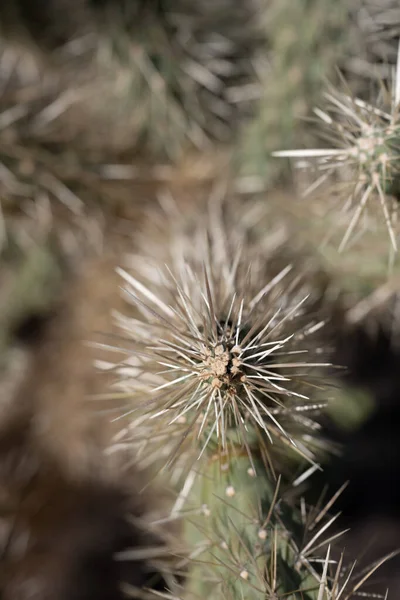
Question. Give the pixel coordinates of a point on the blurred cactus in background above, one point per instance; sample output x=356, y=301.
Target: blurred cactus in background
x=375, y=29
x=175, y=74
x=291, y=78
x=250, y=325
x=358, y=175
x=366, y=155
x=188, y=69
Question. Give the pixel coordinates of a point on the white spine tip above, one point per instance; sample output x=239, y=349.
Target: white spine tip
x=230, y=491
x=262, y=534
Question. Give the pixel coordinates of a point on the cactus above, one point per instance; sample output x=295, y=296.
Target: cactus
x=362, y=41
x=376, y=28
x=292, y=77
x=187, y=69
x=365, y=159
x=37, y=158
x=227, y=349
x=226, y=370
x=178, y=75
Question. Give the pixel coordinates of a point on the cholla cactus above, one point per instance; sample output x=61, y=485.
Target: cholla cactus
x=33, y=159
x=188, y=69
x=225, y=373
x=176, y=74
x=365, y=158
x=228, y=353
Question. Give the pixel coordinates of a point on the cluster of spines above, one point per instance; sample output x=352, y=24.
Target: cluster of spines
x=228, y=430
x=364, y=157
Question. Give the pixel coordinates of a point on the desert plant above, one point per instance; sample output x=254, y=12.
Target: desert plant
x=375, y=28
x=365, y=157
x=176, y=74
x=226, y=358
x=291, y=77
x=226, y=369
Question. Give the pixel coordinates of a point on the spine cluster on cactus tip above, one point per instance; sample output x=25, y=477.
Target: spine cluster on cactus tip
x=225, y=370
x=224, y=362
x=232, y=344
x=365, y=157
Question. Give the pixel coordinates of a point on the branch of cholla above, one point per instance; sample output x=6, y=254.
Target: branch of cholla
x=223, y=350
x=365, y=153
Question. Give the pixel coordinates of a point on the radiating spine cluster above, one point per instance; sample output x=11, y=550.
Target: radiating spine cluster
x=226, y=371
x=365, y=156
